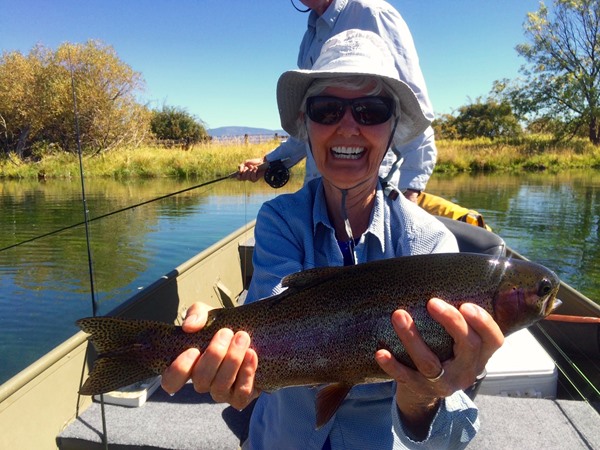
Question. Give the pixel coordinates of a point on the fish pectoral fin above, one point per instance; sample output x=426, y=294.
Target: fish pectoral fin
x=329, y=400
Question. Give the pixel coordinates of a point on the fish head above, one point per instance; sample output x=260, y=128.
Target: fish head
x=525, y=295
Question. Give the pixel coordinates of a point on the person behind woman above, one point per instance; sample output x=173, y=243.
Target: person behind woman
x=349, y=109
x=328, y=18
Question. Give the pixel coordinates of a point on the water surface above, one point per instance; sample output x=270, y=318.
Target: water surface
x=45, y=284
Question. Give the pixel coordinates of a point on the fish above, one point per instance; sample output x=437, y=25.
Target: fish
x=326, y=326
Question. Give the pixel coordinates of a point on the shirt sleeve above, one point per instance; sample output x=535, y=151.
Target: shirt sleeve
x=292, y=149
x=418, y=160
x=454, y=425
x=276, y=253
x=420, y=155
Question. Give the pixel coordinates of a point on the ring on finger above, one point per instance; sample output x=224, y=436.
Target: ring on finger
x=436, y=379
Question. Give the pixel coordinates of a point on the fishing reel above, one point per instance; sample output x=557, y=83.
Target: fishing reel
x=277, y=174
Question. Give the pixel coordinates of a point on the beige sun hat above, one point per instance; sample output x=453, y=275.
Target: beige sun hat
x=352, y=52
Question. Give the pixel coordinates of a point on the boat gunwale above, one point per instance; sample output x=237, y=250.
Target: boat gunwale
x=20, y=380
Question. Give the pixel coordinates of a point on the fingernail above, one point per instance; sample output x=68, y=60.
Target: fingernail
x=241, y=339
x=224, y=336
x=440, y=304
x=471, y=309
x=402, y=319
x=191, y=320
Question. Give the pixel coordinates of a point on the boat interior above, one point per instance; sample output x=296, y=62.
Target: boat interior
x=525, y=402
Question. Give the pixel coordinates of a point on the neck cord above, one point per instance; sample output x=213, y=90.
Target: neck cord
x=389, y=188
x=348, y=227
x=298, y=9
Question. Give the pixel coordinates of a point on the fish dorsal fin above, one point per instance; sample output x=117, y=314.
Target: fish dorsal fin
x=329, y=400
x=310, y=277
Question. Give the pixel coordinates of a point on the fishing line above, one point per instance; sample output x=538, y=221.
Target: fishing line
x=573, y=365
x=87, y=231
x=274, y=176
x=102, y=216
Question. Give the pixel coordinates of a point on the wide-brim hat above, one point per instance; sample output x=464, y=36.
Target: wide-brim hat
x=352, y=52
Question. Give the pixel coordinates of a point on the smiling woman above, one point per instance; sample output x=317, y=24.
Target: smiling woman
x=348, y=109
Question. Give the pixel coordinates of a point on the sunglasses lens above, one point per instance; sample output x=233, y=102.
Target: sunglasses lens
x=372, y=110
x=325, y=110
x=365, y=110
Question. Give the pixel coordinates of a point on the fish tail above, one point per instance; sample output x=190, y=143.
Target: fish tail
x=125, y=354
x=109, y=374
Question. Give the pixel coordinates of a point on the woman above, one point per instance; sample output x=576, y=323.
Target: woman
x=349, y=109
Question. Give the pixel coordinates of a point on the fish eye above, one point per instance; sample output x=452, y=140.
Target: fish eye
x=544, y=288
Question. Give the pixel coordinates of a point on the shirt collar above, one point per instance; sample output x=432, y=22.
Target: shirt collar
x=330, y=15
x=376, y=224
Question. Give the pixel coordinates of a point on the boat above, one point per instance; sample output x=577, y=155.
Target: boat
x=40, y=407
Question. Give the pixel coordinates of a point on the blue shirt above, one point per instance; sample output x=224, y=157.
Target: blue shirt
x=293, y=233
x=419, y=156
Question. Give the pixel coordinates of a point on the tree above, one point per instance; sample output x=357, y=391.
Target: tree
x=176, y=124
x=563, y=75
x=36, y=99
x=488, y=118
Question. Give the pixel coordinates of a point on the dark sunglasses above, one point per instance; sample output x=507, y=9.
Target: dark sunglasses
x=365, y=110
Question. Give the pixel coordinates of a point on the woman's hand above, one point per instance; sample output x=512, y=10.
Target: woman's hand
x=226, y=369
x=476, y=337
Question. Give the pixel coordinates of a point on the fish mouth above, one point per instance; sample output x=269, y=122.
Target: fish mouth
x=348, y=152
x=552, y=305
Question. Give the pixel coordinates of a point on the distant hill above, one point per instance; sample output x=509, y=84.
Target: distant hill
x=241, y=131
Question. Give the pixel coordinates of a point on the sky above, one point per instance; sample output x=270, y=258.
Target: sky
x=220, y=59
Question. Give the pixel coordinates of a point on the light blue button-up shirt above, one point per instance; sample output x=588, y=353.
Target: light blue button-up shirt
x=419, y=156
x=293, y=233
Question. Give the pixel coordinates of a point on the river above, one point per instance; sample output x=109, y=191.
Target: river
x=45, y=282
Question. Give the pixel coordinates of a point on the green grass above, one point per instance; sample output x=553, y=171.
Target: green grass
x=533, y=153
x=214, y=160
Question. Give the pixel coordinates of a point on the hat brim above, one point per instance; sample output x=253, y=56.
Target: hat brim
x=293, y=84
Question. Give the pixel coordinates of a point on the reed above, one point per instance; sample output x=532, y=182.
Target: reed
x=217, y=159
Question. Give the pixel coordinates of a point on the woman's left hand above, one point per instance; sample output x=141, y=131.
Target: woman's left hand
x=476, y=337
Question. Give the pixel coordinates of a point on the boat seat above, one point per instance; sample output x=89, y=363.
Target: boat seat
x=474, y=239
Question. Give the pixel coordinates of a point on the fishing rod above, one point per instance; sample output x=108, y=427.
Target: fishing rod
x=86, y=222
x=276, y=175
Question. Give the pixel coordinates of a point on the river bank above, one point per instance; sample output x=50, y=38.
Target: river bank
x=217, y=159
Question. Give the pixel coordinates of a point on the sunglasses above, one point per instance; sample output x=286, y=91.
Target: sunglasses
x=365, y=110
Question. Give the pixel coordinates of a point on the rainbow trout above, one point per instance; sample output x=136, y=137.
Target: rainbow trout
x=327, y=325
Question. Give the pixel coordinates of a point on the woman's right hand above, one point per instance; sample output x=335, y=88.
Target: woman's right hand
x=226, y=369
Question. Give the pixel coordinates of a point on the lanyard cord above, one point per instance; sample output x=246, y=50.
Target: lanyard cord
x=348, y=228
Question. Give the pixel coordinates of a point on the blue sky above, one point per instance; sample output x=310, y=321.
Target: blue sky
x=220, y=59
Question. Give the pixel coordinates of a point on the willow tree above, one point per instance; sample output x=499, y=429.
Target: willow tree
x=563, y=71
x=37, y=107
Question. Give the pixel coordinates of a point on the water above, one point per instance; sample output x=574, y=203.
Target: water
x=551, y=219
x=45, y=284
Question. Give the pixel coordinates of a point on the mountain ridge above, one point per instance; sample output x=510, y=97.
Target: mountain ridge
x=241, y=131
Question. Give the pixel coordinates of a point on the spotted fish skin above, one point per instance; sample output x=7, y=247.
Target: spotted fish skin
x=327, y=325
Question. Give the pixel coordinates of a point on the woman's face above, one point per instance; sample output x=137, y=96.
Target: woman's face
x=347, y=153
